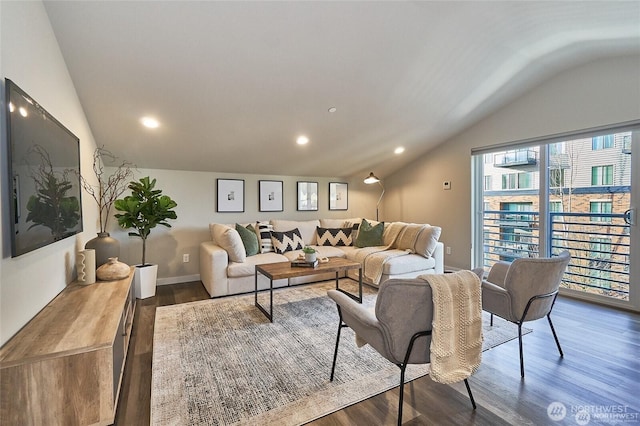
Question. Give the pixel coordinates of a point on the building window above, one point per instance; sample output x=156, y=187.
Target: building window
x=517, y=181
x=488, y=158
x=601, y=175
x=487, y=183
x=555, y=206
x=556, y=178
x=557, y=148
x=600, y=207
x=601, y=142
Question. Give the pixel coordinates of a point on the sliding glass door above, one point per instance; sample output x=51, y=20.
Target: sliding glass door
x=577, y=193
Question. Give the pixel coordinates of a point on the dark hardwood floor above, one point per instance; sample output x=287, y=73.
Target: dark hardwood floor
x=600, y=372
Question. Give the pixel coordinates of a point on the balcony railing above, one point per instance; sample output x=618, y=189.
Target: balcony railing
x=599, y=246
x=521, y=157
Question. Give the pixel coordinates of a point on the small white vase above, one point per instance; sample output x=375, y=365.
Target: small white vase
x=86, y=264
x=310, y=257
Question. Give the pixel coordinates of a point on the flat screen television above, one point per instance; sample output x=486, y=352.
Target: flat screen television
x=44, y=172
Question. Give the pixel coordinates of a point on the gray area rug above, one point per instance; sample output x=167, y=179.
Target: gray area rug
x=220, y=361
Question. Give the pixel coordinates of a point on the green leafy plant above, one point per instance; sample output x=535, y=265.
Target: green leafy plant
x=308, y=249
x=51, y=206
x=144, y=209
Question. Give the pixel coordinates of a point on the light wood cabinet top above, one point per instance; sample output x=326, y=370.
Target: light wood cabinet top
x=79, y=319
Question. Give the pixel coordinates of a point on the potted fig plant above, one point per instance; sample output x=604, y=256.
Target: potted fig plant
x=142, y=211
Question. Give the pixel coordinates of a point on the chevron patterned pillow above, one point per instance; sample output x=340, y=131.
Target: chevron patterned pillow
x=286, y=241
x=334, y=236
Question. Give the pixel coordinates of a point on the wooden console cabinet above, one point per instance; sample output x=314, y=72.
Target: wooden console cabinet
x=65, y=366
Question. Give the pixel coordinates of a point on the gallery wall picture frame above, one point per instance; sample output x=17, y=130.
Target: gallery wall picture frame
x=230, y=195
x=307, y=196
x=270, y=194
x=338, y=196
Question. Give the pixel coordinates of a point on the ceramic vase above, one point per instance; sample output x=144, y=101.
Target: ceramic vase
x=310, y=257
x=86, y=265
x=113, y=270
x=105, y=247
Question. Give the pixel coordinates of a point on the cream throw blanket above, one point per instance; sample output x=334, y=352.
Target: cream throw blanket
x=373, y=258
x=456, y=339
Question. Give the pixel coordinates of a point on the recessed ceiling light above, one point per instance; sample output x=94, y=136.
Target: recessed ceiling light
x=11, y=107
x=150, y=122
x=302, y=140
x=23, y=111
x=333, y=109
x=399, y=150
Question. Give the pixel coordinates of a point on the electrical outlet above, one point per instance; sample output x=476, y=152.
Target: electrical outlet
x=448, y=250
x=185, y=258
x=446, y=185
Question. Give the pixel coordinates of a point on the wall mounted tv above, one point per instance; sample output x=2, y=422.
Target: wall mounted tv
x=44, y=167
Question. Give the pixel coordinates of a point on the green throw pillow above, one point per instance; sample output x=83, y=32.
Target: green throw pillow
x=249, y=239
x=370, y=236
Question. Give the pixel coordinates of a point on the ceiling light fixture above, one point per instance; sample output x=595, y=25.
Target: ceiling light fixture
x=302, y=140
x=399, y=150
x=374, y=179
x=150, y=122
x=333, y=109
x=23, y=111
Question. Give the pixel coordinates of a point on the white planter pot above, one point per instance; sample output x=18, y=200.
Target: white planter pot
x=144, y=280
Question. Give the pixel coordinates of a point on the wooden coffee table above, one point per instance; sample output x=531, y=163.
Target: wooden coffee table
x=281, y=270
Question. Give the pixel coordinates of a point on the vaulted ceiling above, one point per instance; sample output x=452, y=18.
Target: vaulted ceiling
x=233, y=84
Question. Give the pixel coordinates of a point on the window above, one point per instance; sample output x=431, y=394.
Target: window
x=601, y=142
x=488, y=158
x=601, y=175
x=517, y=181
x=555, y=206
x=556, y=178
x=600, y=207
x=488, y=181
x=557, y=148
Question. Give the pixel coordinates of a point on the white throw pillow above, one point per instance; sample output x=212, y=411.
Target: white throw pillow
x=427, y=240
x=229, y=239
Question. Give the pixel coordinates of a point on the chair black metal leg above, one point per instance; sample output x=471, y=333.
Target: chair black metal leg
x=491, y=323
x=521, y=355
x=473, y=401
x=335, y=353
x=555, y=336
x=400, y=402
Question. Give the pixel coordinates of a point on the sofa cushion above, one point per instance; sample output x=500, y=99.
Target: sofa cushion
x=249, y=239
x=408, y=236
x=407, y=264
x=427, y=240
x=307, y=228
x=248, y=268
x=286, y=241
x=229, y=239
x=368, y=235
x=334, y=236
x=264, y=231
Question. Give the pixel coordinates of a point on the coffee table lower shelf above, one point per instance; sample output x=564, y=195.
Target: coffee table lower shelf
x=282, y=270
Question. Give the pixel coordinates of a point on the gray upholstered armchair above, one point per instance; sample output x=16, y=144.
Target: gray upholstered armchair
x=399, y=329
x=524, y=290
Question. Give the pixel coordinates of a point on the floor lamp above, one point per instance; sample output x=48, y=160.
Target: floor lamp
x=373, y=179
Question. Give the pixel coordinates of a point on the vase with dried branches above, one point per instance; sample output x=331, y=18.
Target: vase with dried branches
x=107, y=190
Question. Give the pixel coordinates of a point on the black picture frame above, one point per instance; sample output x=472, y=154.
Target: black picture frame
x=230, y=195
x=307, y=196
x=270, y=193
x=338, y=196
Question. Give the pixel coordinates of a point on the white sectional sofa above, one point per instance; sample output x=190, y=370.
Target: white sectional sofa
x=408, y=250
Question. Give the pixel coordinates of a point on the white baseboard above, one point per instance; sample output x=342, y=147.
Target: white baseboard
x=178, y=280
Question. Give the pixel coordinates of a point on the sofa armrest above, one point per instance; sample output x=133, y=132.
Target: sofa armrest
x=438, y=255
x=214, y=261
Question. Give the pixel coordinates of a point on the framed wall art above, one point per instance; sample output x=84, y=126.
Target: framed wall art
x=230, y=195
x=307, y=196
x=270, y=193
x=338, y=196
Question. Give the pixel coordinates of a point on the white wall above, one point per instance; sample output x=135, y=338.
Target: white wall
x=29, y=56
x=601, y=92
x=195, y=193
